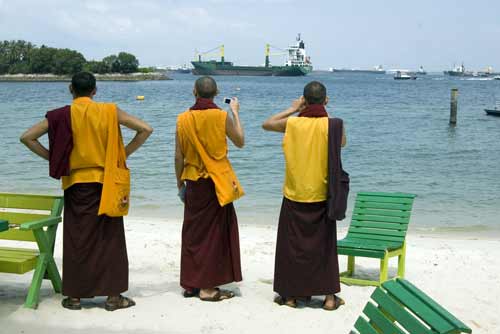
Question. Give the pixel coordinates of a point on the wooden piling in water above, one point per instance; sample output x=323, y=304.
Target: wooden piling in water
x=453, y=106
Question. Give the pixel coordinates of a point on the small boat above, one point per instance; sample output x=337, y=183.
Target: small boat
x=492, y=112
x=401, y=75
x=496, y=77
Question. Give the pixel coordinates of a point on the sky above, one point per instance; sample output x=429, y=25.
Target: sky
x=342, y=34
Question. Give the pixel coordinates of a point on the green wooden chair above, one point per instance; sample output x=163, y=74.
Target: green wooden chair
x=402, y=305
x=32, y=218
x=378, y=230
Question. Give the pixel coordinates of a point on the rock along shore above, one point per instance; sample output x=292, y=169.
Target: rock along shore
x=99, y=77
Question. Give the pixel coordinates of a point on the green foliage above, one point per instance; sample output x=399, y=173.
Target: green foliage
x=24, y=57
x=95, y=66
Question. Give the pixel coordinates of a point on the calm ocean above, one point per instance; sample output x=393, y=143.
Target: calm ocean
x=398, y=140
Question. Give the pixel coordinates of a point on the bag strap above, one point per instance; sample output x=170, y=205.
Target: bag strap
x=338, y=126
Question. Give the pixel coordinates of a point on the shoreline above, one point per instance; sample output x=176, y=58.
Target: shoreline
x=455, y=272
x=154, y=76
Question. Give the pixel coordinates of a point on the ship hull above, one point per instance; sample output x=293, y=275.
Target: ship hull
x=219, y=68
x=458, y=74
x=335, y=70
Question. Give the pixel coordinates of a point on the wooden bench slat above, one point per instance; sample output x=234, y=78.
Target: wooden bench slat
x=374, y=237
x=435, y=306
x=380, y=219
x=383, y=199
x=411, y=301
x=360, y=252
x=16, y=234
x=388, y=226
x=384, y=194
x=364, y=327
x=376, y=231
x=356, y=244
x=388, y=244
x=387, y=206
x=381, y=212
x=17, y=218
x=380, y=320
x=399, y=313
x=26, y=201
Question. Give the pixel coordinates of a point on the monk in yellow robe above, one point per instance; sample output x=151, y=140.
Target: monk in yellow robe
x=210, y=254
x=306, y=262
x=81, y=137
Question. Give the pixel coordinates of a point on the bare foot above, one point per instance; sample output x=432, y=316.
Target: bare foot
x=332, y=302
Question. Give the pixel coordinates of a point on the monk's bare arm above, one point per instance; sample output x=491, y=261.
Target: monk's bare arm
x=179, y=161
x=30, y=139
x=277, y=122
x=143, y=130
x=234, y=130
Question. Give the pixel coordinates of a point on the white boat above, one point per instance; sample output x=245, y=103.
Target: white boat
x=402, y=75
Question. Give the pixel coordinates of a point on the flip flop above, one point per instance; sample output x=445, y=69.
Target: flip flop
x=282, y=301
x=338, y=302
x=70, y=304
x=220, y=295
x=191, y=293
x=123, y=302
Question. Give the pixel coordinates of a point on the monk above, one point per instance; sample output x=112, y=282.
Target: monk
x=306, y=262
x=210, y=254
x=81, y=137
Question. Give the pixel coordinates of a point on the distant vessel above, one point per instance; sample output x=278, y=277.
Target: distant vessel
x=376, y=70
x=459, y=71
x=420, y=71
x=493, y=112
x=401, y=75
x=296, y=64
x=489, y=73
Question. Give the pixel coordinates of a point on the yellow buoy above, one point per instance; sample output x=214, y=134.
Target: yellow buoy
x=139, y=97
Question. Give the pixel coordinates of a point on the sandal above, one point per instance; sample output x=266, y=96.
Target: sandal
x=338, y=302
x=122, y=302
x=283, y=301
x=220, y=295
x=191, y=293
x=71, y=303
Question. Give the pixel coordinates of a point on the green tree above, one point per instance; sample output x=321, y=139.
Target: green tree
x=42, y=60
x=128, y=62
x=95, y=66
x=113, y=63
x=68, y=61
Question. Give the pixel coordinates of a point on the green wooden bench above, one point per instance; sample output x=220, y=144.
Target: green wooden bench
x=378, y=230
x=32, y=218
x=402, y=305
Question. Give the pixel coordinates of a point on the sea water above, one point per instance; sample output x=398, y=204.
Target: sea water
x=398, y=138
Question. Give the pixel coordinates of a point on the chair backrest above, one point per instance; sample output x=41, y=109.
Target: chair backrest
x=381, y=216
x=21, y=208
x=402, y=305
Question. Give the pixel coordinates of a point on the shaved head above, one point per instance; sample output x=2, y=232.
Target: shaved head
x=206, y=87
x=315, y=93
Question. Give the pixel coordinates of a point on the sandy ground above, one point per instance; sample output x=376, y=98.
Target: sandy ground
x=460, y=272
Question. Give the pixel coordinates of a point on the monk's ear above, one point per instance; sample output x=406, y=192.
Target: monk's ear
x=195, y=93
x=70, y=87
x=326, y=100
x=216, y=92
x=93, y=92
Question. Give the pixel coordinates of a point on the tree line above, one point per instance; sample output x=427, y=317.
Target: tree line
x=21, y=57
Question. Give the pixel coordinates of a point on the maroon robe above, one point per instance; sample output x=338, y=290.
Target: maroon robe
x=210, y=253
x=60, y=141
x=95, y=261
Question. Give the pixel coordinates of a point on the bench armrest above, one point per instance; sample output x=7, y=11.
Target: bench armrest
x=40, y=223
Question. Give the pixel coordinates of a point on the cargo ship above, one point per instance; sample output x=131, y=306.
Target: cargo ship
x=296, y=64
x=376, y=70
x=459, y=71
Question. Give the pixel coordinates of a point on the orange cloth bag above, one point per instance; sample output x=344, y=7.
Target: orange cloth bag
x=115, y=196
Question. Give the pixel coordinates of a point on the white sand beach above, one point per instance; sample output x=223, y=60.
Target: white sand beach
x=461, y=272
